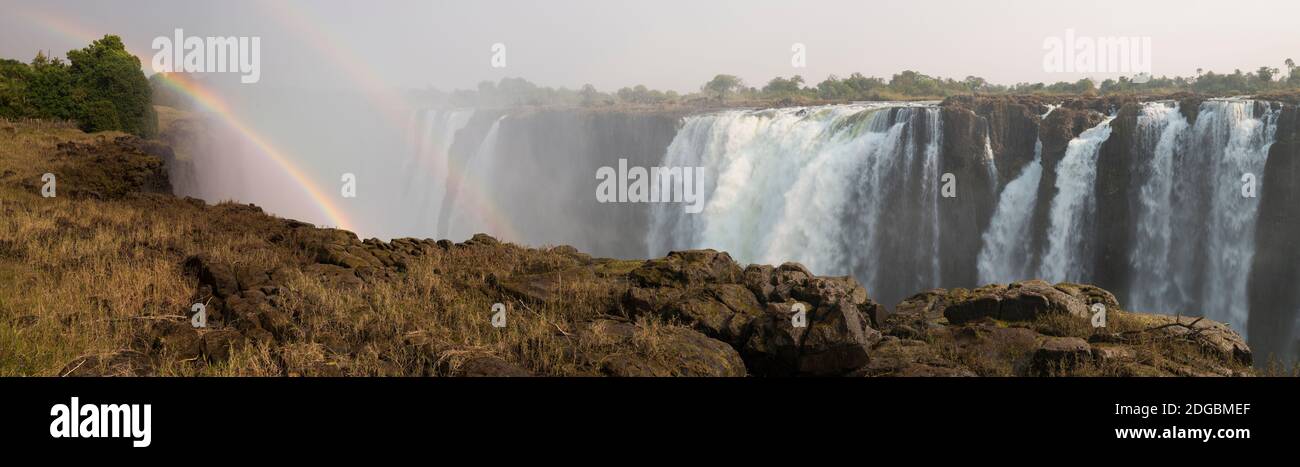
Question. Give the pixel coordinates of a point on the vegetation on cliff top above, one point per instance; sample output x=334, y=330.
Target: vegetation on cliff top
x=101, y=87
x=903, y=86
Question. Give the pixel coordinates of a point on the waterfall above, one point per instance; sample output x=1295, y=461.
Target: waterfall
x=1005, y=255
x=991, y=161
x=845, y=190
x=455, y=220
x=1159, y=133
x=428, y=169
x=1195, y=238
x=1075, y=201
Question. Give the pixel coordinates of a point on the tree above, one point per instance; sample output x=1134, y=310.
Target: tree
x=721, y=85
x=105, y=75
x=49, y=89
x=1266, y=74
x=974, y=83
x=779, y=87
x=588, y=94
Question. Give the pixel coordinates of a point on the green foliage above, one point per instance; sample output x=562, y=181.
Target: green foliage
x=50, y=88
x=905, y=85
x=722, y=85
x=101, y=87
x=105, y=71
x=100, y=115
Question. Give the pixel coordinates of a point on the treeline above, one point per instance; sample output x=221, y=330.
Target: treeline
x=906, y=85
x=101, y=87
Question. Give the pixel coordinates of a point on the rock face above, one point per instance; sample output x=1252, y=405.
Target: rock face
x=1033, y=328
x=782, y=320
x=1020, y=301
x=1275, y=273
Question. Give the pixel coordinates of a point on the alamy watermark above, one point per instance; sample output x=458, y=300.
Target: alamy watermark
x=209, y=55
x=651, y=185
x=1072, y=53
x=77, y=420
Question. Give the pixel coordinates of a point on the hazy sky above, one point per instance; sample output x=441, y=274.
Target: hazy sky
x=665, y=44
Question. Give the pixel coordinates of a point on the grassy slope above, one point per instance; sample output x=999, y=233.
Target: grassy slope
x=81, y=277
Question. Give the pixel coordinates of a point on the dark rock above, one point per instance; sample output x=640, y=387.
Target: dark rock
x=1020, y=301
x=838, y=340
x=481, y=239
x=906, y=357
x=687, y=269
x=722, y=312
x=1057, y=355
x=544, y=287
x=221, y=277
x=774, y=345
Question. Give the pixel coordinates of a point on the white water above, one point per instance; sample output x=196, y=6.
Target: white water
x=1164, y=125
x=816, y=186
x=1006, y=255
x=1232, y=215
x=468, y=212
x=1075, y=201
x=1195, y=240
x=427, y=171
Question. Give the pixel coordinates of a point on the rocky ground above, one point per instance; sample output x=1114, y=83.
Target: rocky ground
x=101, y=280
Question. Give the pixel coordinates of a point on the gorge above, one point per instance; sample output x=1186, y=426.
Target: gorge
x=1143, y=198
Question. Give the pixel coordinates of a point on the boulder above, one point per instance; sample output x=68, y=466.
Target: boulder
x=544, y=287
x=835, y=340
x=722, y=312
x=1020, y=301
x=1056, y=355
x=686, y=269
x=220, y=276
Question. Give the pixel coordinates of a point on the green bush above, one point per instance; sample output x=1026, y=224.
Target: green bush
x=101, y=87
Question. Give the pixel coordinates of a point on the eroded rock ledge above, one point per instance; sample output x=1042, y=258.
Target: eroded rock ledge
x=706, y=316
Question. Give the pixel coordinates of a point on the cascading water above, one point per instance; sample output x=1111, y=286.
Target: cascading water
x=857, y=190
x=1196, y=228
x=1075, y=202
x=814, y=185
x=427, y=172
x=1006, y=254
x=457, y=221
x=1160, y=130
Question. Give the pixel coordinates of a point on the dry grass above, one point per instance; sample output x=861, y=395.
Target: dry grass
x=85, y=277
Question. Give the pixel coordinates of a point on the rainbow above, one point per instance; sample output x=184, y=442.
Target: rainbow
x=77, y=34
x=215, y=106
x=302, y=22
x=299, y=21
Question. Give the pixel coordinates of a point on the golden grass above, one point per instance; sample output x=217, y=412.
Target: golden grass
x=85, y=277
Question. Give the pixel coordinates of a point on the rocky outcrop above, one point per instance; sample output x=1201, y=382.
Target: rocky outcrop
x=106, y=169
x=1033, y=328
x=1114, y=224
x=782, y=320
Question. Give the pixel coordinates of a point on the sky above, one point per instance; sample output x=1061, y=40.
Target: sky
x=664, y=44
